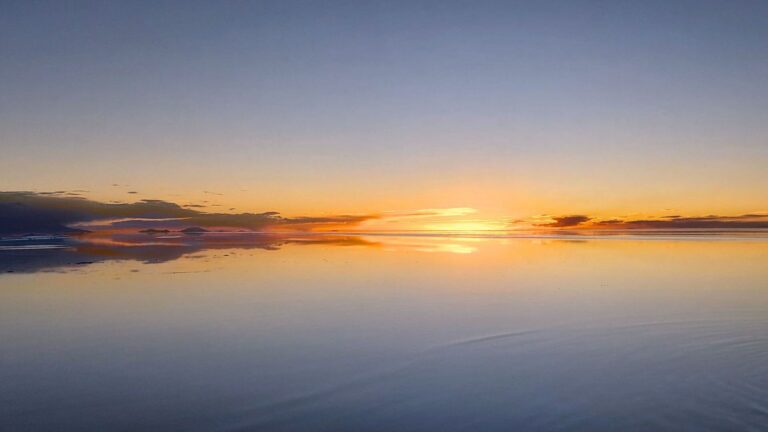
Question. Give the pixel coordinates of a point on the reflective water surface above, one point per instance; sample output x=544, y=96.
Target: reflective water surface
x=384, y=333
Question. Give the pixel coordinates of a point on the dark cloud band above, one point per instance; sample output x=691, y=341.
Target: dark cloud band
x=22, y=212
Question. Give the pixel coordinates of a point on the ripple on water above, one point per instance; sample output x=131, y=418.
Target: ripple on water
x=678, y=375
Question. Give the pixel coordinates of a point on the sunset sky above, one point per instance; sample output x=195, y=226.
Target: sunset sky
x=483, y=112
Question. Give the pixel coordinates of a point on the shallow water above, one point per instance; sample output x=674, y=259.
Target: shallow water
x=384, y=333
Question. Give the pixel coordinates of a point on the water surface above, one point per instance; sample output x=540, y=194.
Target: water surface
x=383, y=333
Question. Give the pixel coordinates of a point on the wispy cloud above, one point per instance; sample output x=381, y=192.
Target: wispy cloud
x=432, y=212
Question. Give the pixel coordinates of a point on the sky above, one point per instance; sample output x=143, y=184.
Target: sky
x=513, y=110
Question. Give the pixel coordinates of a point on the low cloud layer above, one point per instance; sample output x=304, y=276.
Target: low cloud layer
x=22, y=212
x=64, y=211
x=567, y=221
x=745, y=221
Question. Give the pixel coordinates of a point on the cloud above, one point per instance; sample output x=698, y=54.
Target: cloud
x=273, y=219
x=755, y=220
x=434, y=212
x=567, y=221
x=424, y=214
x=746, y=221
x=22, y=212
x=76, y=192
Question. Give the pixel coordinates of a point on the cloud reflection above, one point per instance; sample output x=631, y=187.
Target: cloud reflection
x=73, y=252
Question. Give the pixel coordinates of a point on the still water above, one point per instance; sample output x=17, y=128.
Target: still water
x=386, y=333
